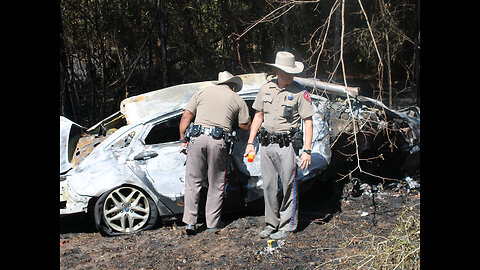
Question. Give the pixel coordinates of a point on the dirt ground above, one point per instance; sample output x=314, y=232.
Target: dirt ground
x=336, y=231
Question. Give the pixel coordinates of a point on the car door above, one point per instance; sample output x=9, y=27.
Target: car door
x=163, y=163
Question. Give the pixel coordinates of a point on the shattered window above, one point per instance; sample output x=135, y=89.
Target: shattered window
x=164, y=132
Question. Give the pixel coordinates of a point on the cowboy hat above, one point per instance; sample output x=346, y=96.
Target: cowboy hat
x=286, y=62
x=227, y=77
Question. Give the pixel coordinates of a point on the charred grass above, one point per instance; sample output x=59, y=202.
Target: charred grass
x=336, y=231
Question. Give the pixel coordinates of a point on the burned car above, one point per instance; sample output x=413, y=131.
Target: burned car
x=128, y=171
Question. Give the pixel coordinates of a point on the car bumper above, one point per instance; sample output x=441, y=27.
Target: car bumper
x=70, y=201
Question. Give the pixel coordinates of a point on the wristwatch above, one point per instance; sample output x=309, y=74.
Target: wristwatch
x=308, y=151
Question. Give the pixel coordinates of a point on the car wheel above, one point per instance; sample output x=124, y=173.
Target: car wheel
x=124, y=210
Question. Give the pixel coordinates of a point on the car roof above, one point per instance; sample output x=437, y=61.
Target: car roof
x=144, y=107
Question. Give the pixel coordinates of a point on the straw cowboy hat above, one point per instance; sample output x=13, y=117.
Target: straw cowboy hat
x=227, y=77
x=286, y=62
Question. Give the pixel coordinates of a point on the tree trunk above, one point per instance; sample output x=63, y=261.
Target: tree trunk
x=286, y=32
x=417, y=54
x=337, y=22
x=91, y=71
x=163, y=41
x=67, y=107
x=389, y=71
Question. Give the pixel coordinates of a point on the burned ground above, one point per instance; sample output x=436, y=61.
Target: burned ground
x=340, y=226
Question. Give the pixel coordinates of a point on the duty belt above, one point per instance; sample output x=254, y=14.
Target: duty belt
x=207, y=131
x=215, y=132
x=295, y=136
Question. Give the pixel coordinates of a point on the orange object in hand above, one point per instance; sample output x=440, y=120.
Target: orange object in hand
x=250, y=157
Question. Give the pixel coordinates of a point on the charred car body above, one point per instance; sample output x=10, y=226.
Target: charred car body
x=128, y=170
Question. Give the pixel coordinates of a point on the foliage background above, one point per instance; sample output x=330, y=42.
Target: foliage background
x=113, y=49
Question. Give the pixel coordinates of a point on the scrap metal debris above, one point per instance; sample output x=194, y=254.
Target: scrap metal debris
x=273, y=246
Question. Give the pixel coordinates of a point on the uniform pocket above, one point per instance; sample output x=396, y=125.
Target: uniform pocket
x=267, y=98
x=287, y=111
x=267, y=103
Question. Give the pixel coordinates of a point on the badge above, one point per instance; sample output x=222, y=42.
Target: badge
x=306, y=95
x=290, y=97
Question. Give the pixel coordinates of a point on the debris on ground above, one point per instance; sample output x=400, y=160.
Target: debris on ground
x=335, y=233
x=272, y=246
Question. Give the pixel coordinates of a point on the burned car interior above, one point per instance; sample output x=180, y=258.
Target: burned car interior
x=164, y=132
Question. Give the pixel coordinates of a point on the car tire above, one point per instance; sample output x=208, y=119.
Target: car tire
x=124, y=210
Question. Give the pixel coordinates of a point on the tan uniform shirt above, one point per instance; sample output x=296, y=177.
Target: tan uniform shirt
x=217, y=106
x=283, y=108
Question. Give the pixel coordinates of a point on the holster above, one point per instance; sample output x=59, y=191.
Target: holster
x=263, y=137
x=296, y=137
x=195, y=131
x=217, y=133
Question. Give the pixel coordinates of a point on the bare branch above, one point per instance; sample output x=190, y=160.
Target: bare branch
x=371, y=33
x=269, y=17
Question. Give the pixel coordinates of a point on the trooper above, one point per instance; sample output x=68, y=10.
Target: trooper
x=280, y=105
x=214, y=109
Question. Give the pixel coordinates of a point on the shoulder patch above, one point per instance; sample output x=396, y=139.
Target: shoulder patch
x=307, y=97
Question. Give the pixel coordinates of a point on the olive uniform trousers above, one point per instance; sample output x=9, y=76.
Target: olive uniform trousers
x=281, y=209
x=206, y=158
